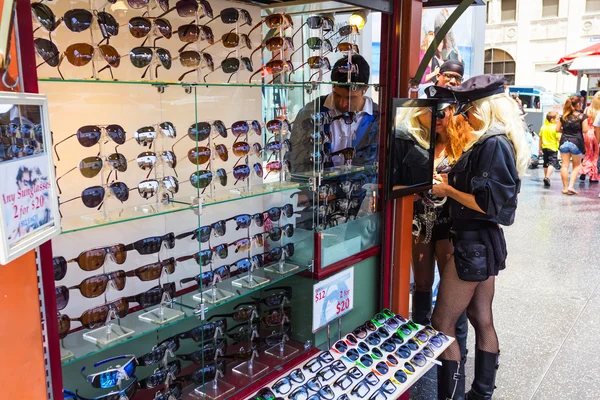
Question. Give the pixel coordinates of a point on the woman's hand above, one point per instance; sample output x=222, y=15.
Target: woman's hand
x=442, y=189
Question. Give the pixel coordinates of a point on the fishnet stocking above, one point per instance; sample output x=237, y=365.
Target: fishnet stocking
x=454, y=297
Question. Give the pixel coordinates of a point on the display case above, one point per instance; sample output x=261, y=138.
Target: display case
x=206, y=181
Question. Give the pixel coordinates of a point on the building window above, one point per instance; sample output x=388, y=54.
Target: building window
x=592, y=5
x=509, y=10
x=500, y=62
x=549, y=8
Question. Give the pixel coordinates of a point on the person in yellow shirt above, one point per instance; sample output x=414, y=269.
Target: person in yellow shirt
x=549, y=143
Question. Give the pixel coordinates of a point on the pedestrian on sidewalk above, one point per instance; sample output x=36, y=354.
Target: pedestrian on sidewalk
x=483, y=189
x=573, y=126
x=589, y=166
x=549, y=140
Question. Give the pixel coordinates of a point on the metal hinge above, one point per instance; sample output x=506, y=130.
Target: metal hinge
x=311, y=265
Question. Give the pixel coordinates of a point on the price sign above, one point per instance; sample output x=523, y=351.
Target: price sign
x=28, y=201
x=332, y=298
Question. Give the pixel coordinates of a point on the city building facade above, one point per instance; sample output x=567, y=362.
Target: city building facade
x=524, y=38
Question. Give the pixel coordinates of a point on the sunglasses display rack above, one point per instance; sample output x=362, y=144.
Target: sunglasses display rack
x=281, y=350
x=215, y=388
x=233, y=82
x=389, y=373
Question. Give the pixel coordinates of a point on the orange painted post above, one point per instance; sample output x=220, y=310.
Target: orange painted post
x=402, y=254
x=22, y=372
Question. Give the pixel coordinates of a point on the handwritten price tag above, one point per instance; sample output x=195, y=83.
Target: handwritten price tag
x=332, y=298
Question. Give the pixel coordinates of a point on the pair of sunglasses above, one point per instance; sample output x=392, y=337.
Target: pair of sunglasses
x=209, y=278
x=112, y=376
x=203, y=178
x=206, y=373
x=160, y=375
x=284, y=385
x=233, y=65
x=158, y=353
x=143, y=56
x=318, y=362
x=146, y=135
x=93, y=197
x=205, y=332
x=89, y=135
x=208, y=352
x=203, y=233
x=90, y=167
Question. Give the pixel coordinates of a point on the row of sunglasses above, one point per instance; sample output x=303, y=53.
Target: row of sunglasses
x=369, y=354
x=90, y=135
x=90, y=167
x=96, y=285
x=80, y=54
x=91, y=260
x=211, y=349
x=94, y=196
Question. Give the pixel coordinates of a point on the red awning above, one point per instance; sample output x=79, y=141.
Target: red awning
x=593, y=50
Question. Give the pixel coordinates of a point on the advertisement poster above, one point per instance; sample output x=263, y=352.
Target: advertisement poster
x=28, y=202
x=25, y=190
x=332, y=298
x=459, y=43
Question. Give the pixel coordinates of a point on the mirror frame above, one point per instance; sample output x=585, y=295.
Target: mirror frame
x=396, y=104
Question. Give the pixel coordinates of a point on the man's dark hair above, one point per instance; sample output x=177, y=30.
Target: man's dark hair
x=22, y=171
x=362, y=76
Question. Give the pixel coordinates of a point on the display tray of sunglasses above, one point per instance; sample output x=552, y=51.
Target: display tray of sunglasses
x=240, y=382
x=335, y=172
x=81, y=348
x=330, y=375
x=227, y=291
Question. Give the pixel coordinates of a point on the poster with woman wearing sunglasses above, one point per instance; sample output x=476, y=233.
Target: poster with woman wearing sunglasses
x=25, y=198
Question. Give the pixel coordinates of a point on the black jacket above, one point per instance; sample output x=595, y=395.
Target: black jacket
x=488, y=171
x=412, y=163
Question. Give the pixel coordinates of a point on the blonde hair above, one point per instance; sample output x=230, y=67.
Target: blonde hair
x=418, y=132
x=594, y=108
x=427, y=39
x=500, y=110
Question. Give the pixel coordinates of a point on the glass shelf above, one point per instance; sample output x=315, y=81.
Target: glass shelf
x=96, y=220
x=81, y=348
x=207, y=84
x=335, y=172
x=188, y=299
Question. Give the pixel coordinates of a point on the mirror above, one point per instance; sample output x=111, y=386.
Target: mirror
x=411, y=143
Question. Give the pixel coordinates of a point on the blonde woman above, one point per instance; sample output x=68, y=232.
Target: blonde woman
x=482, y=188
x=589, y=166
x=429, y=74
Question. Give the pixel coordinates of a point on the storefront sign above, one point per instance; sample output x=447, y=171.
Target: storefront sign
x=332, y=298
x=29, y=206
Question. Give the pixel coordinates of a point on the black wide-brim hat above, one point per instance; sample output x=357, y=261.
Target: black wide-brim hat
x=444, y=96
x=476, y=88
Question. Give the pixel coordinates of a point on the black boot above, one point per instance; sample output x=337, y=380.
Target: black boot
x=451, y=381
x=421, y=307
x=486, y=365
x=461, y=333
